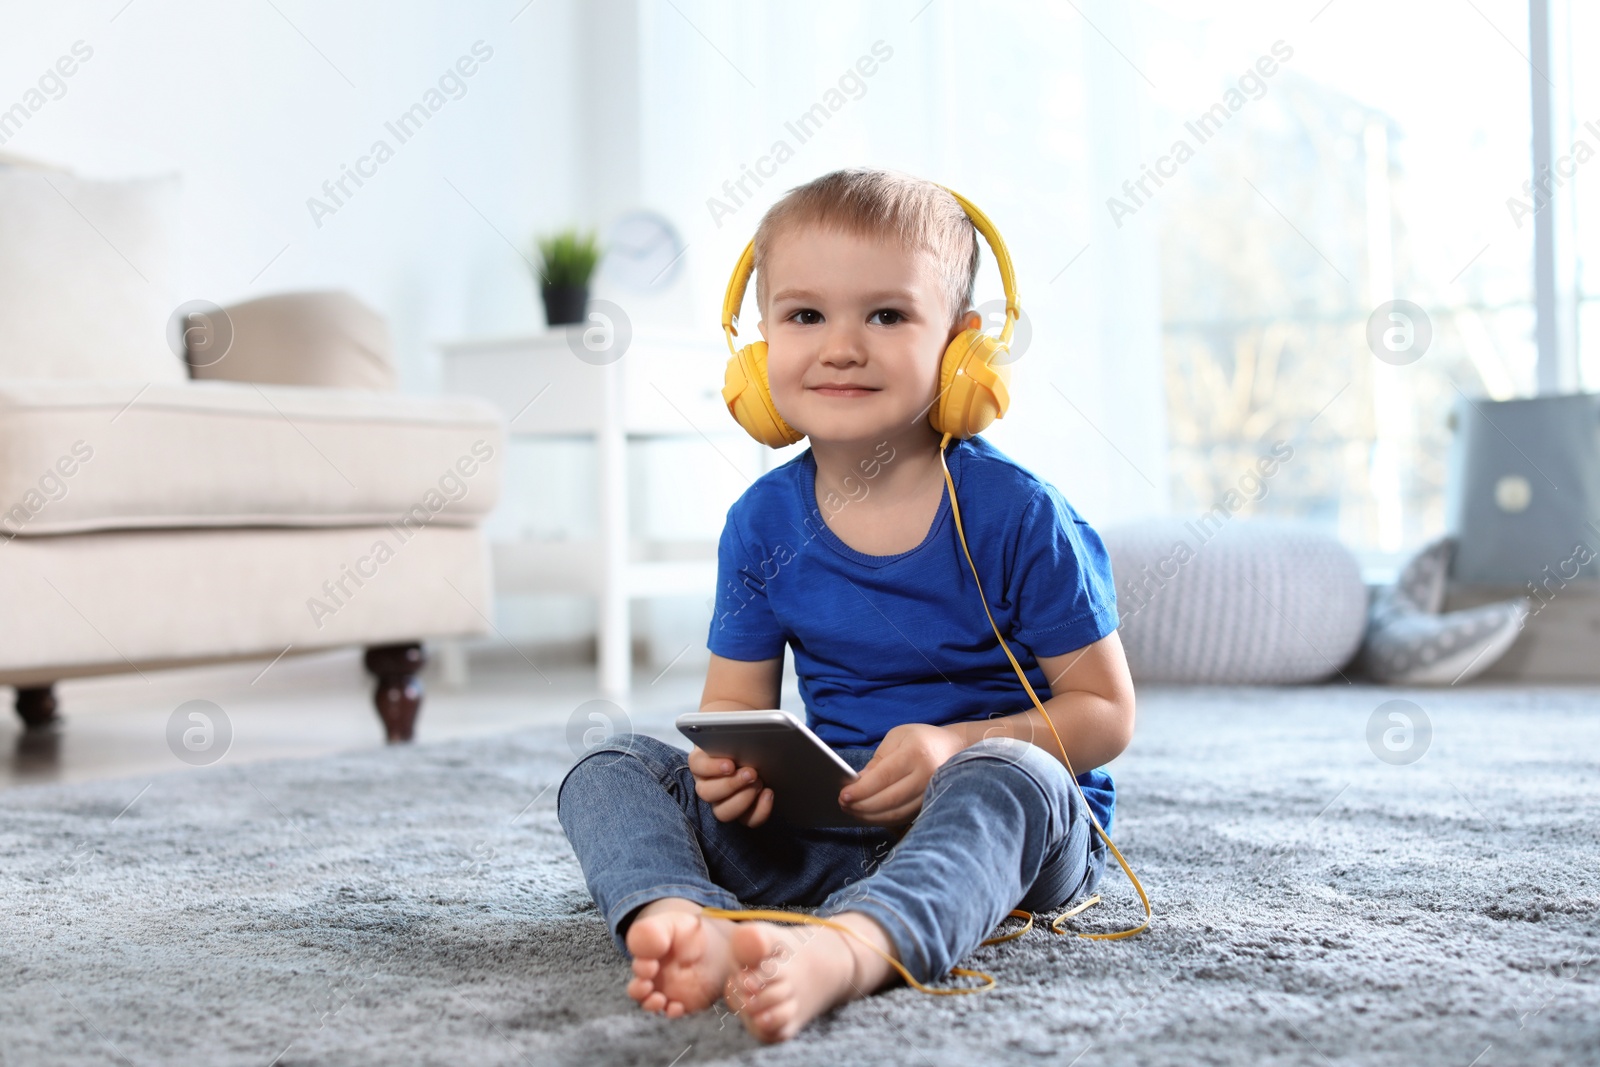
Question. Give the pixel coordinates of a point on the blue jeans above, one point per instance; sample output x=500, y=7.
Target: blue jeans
x=1001, y=827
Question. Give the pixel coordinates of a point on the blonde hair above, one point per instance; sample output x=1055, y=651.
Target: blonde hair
x=920, y=214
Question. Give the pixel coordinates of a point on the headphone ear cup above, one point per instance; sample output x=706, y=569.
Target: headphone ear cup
x=974, y=389
x=749, y=397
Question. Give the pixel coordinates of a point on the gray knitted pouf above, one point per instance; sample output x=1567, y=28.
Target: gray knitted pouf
x=1229, y=601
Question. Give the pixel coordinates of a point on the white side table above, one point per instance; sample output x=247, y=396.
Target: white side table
x=666, y=383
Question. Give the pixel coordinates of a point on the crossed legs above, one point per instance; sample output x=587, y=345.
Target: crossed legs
x=999, y=819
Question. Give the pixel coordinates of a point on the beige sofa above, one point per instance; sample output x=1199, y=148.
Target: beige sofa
x=267, y=494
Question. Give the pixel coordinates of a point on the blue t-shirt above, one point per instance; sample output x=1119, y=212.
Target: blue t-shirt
x=884, y=640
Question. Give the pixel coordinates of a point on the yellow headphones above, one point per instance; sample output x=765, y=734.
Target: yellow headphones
x=973, y=392
x=973, y=388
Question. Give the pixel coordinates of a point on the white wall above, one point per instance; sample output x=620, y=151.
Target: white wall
x=254, y=119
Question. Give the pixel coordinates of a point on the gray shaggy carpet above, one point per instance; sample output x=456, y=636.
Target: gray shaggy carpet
x=1315, y=904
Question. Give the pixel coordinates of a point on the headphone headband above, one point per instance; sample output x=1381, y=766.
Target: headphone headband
x=746, y=266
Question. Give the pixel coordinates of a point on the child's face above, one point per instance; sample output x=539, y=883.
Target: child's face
x=864, y=311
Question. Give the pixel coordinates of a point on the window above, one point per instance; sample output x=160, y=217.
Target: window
x=1373, y=164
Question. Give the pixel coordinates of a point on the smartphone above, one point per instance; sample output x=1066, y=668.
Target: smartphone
x=804, y=773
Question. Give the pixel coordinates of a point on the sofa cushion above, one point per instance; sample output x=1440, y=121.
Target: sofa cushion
x=86, y=272
x=98, y=603
x=1226, y=600
x=78, y=456
x=326, y=338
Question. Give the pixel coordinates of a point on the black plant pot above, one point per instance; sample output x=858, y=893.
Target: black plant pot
x=564, y=304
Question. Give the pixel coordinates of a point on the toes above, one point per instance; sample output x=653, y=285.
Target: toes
x=775, y=1023
x=741, y=993
x=735, y=993
x=779, y=1018
x=771, y=997
x=667, y=949
x=745, y=983
x=751, y=983
x=763, y=1007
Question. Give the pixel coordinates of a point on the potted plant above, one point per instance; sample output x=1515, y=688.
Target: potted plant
x=566, y=261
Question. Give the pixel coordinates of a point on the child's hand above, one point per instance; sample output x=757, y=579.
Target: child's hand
x=889, y=791
x=733, y=792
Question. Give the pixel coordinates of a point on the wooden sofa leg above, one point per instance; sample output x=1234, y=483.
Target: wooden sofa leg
x=36, y=705
x=399, y=692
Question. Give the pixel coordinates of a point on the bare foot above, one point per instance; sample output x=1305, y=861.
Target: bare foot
x=788, y=975
x=681, y=958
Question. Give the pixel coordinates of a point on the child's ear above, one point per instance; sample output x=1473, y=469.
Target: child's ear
x=969, y=320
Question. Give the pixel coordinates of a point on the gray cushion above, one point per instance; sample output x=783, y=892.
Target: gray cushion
x=1408, y=642
x=1226, y=601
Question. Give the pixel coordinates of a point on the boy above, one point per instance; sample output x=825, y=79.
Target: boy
x=849, y=555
